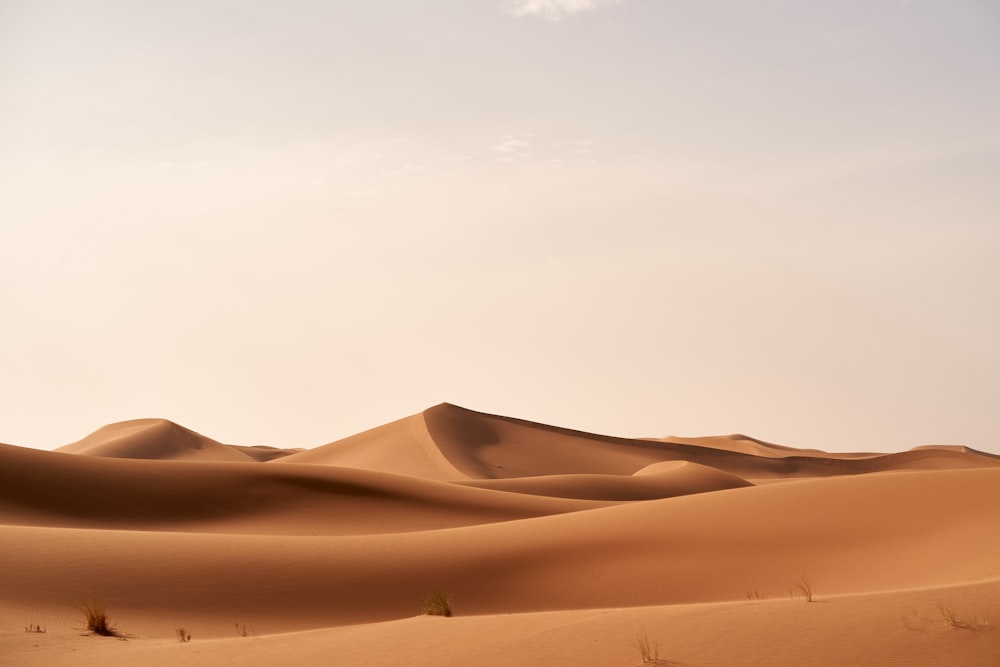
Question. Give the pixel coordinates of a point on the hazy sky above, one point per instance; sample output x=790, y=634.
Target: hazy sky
x=286, y=222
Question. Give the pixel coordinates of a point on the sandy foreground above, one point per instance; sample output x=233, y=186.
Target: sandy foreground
x=554, y=547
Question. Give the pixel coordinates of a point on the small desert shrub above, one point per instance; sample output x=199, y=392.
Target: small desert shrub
x=436, y=604
x=96, y=616
x=183, y=635
x=951, y=617
x=649, y=650
x=34, y=628
x=805, y=588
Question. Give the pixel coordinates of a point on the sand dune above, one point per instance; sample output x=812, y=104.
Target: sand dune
x=487, y=446
x=448, y=442
x=847, y=535
x=403, y=447
x=534, y=532
x=152, y=439
x=54, y=489
x=160, y=439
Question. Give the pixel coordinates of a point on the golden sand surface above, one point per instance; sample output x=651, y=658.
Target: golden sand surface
x=552, y=546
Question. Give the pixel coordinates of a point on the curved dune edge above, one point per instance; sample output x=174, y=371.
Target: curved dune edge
x=485, y=446
x=738, y=442
x=667, y=479
x=54, y=489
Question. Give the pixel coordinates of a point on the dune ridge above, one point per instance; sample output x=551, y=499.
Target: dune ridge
x=486, y=446
x=450, y=443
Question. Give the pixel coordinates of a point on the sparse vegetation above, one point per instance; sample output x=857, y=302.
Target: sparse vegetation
x=649, y=650
x=34, y=628
x=244, y=630
x=754, y=594
x=804, y=588
x=96, y=617
x=183, y=635
x=952, y=619
x=912, y=620
x=436, y=604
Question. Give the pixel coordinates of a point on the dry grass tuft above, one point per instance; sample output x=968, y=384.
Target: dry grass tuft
x=436, y=604
x=649, y=650
x=952, y=619
x=805, y=589
x=96, y=617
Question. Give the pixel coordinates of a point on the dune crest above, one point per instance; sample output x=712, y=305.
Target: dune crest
x=402, y=447
x=486, y=446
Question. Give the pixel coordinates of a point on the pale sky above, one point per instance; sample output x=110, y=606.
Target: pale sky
x=283, y=223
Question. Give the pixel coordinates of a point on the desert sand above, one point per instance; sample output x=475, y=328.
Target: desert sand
x=553, y=547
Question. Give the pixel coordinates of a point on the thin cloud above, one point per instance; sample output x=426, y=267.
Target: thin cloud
x=555, y=10
x=511, y=146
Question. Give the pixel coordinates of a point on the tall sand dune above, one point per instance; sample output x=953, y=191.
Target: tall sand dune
x=403, y=446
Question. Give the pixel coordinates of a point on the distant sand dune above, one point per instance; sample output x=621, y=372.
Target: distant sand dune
x=450, y=443
x=487, y=446
x=152, y=439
